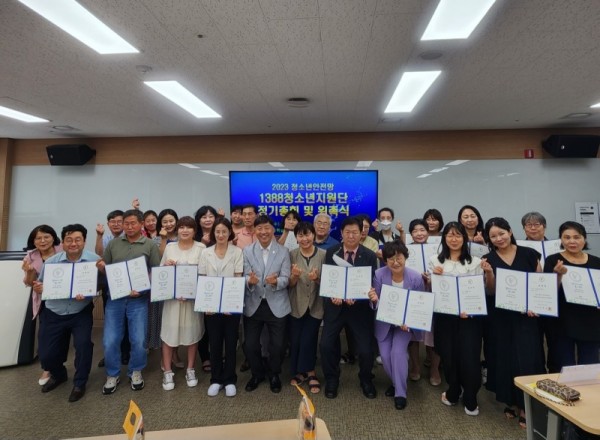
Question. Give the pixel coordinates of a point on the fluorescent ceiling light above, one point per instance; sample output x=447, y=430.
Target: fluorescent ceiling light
x=456, y=162
x=189, y=165
x=181, y=96
x=10, y=113
x=456, y=19
x=74, y=19
x=437, y=170
x=364, y=163
x=213, y=173
x=410, y=90
x=596, y=105
x=276, y=164
x=283, y=169
x=224, y=177
x=422, y=176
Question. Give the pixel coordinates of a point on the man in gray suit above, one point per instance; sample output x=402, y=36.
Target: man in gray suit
x=266, y=302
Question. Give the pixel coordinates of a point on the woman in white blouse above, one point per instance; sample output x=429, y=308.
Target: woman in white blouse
x=222, y=260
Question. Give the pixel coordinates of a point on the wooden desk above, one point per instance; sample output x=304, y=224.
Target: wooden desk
x=272, y=430
x=585, y=413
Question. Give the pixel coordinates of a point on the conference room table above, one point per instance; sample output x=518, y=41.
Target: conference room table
x=271, y=430
x=585, y=413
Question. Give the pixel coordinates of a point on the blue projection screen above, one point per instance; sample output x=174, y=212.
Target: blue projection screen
x=337, y=193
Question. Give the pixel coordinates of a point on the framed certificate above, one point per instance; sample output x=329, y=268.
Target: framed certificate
x=126, y=276
x=220, y=294
x=405, y=307
x=580, y=286
x=456, y=295
x=345, y=282
x=171, y=282
x=523, y=291
x=419, y=255
x=67, y=280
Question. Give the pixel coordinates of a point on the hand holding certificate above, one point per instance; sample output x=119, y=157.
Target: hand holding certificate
x=345, y=282
x=458, y=295
x=126, y=277
x=581, y=286
x=403, y=307
x=68, y=280
x=523, y=292
x=174, y=282
x=220, y=294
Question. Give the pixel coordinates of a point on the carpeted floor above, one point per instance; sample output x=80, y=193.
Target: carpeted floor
x=26, y=413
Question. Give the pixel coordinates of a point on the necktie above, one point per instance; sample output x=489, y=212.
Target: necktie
x=350, y=257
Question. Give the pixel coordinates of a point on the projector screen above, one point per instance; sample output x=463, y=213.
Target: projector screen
x=338, y=193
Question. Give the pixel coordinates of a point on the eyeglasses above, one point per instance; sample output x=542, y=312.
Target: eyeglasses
x=395, y=260
x=115, y=222
x=532, y=225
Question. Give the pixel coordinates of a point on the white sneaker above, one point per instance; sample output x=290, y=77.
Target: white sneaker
x=214, y=389
x=446, y=402
x=475, y=412
x=111, y=385
x=378, y=360
x=190, y=377
x=137, y=381
x=168, y=383
x=230, y=390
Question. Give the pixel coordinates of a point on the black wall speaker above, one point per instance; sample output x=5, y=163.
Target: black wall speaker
x=73, y=154
x=572, y=145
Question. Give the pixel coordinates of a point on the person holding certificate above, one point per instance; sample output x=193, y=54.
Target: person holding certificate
x=435, y=222
x=393, y=340
x=470, y=218
x=578, y=325
x=41, y=245
x=518, y=347
x=458, y=338
x=223, y=259
x=134, y=307
x=63, y=318
x=181, y=325
x=307, y=307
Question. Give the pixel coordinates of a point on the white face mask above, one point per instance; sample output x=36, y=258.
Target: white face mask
x=385, y=225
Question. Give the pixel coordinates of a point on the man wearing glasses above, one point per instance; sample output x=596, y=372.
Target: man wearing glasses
x=323, y=240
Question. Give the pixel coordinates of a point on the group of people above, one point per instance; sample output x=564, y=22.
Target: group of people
x=283, y=310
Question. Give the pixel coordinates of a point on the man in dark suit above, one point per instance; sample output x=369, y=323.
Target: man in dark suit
x=357, y=315
x=266, y=301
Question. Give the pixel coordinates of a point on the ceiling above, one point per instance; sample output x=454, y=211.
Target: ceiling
x=527, y=65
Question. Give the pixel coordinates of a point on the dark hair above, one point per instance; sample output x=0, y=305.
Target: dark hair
x=187, y=221
x=501, y=223
x=349, y=221
x=392, y=248
x=304, y=228
x=149, y=213
x=465, y=256
x=134, y=213
x=69, y=229
x=201, y=212
x=436, y=215
x=416, y=222
x=535, y=216
x=250, y=205
x=294, y=214
x=263, y=219
x=236, y=208
x=115, y=213
x=479, y=227
x=391, y=211
x=162, y=215
x=46, y=230
x=576, y=226
x=225, y=222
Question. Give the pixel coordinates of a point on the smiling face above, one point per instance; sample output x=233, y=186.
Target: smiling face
x=207, y=221
x=500, y=238
x=322, y=226
x=396, y=264
x=290, y=222
x=351, y=236
x=365, y=230
x=150, y=223
x=264, y=234
x=222, y=234
x=73, y=245
x=168, y=223
x=305, y=239
x=236, y=218
x=185, y=233
x=115, y=225
x=433, y=224
x=572, y=241
x=43, y=241
x=133, y=227
x=419, y=234
x=469, y=219
x=535, y=231
x=454, y=240
x=248, y=215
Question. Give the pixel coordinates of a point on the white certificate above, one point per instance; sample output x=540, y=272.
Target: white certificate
x=478, y=250
x=118, y=280
x=542, y=293
x=531, y=244
x=419, y=310
x=551, y=247
x=445, y=290
x=545, y=248
x=186, y=280
x=471, y=295
x=232, y=295
x=57, y=281
x=85, y=279
x=511, y=290
x=579, y=284
x=138, y=274
x=416, y=258
x=208, y=294
x=392, y=305
x=345, y=282
x=163, y=283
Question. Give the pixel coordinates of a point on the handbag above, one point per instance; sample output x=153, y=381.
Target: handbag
x=563, y=392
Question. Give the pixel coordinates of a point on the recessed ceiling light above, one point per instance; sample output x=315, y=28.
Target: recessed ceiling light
x=595, y=105
x=456, y=162
x=74, y=19
x=212, y=173
x=189, y=165
x=14, y=114
x=456, y=19
x=410, y=89
x=181, y=96
x=224, y=177
x=364, y=163
x=276, y=164
x=422, y=176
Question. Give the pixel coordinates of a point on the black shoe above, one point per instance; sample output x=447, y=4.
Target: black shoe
x=331, y=391
x=275, y=383
x=390, y=391
x=400, y=402
x=245, y=366
x=254, y=382
x=101, y=363
x=76, y=393
x=52, y=383
x=368, y=389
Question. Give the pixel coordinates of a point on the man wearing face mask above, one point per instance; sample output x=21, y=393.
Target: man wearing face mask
x=384, y=232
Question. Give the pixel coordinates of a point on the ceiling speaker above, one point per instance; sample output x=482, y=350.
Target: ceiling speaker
x=572, y=145
x=70, y=154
